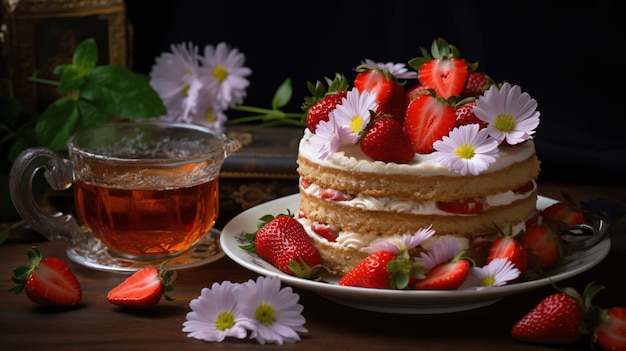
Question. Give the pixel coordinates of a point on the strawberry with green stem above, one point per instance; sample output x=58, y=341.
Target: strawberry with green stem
x=442, y=69
x=144, y=288
x=323, y=100
x=507, y=246
x=47, y=281
x=448, y=275
x=282, y=241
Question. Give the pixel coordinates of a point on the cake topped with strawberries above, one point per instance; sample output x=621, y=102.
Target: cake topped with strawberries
x=400, y=148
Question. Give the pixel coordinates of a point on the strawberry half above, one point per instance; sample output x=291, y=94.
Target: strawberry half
x=283, y=242
x=144, y=288
x=446, y=275
x=428, y=119
x=47, y=281
x=390, y=95
x=384, y=140
x=324, y=100
x=442, y=69
x=543, y=245
x=563, y=212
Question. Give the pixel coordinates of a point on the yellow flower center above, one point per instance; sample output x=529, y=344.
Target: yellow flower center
x=210, y=116
x=504, y=123
x=224, y=320
x=186, y=90
x=265, y=314
x=356, y=123
x=465, y=151
x=487, y=281
x=220, y=73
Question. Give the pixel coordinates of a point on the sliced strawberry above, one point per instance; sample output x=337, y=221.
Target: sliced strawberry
x=335, y=195
x=465, y=115
x=563, y=212
x=466, y=206
x=47, y=281
x=446, y=275
x=543, y=245
x=304, y=183
x=477, y=83
x=390, y=95
x=442, y=69
x=509, y=248
x=144, y=288
x=611, y=332
x=385, y=140
x=427, y=120
x=526, y=188
x=326, y=231
x=324, y=100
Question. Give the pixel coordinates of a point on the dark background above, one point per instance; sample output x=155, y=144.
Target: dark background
x=565, y=55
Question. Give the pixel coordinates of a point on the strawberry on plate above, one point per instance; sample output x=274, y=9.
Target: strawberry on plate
x=563, y=212
x=372, y=272
x=144, y=288
x=442, y=69
x=428, y=119
x=448, y=275
x=543, y=245
x=390, y=95
x=283, y=242
x=324, y=100
x=384, y=140
x=47, y=281
x=507, y=246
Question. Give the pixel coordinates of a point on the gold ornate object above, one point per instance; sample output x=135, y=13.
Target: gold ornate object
x=38, y=35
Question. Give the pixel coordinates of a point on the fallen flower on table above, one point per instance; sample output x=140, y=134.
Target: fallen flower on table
x=271, y=314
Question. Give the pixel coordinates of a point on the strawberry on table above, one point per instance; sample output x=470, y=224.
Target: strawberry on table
x=428, y=119
x=47, y=281
x=144, y=288
x=610, y=334
x=390, y=95
x=442, y=69
x=384, y=140
x=283, y=242
x=324, y=100
x=561, y=318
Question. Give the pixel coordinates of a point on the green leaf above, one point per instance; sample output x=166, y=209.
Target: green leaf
x=85, y=57
x=71, y=80
x=282, y=95
x=57, y=123
x=123, y=93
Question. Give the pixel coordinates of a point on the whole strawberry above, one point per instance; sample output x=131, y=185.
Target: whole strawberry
x=324, y=100
x=561, y=318
x=144, y=288
x=47, y=281
x=283, y=242
x=448, y=275
x=610, y=334
x=390, y=95
x=507, y=246
x=477, y=83
x=372, y=272
x=384, y=140
x=465, y=114
x=543, y=244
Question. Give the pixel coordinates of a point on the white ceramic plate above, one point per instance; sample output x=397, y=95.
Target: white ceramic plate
x=394, y=301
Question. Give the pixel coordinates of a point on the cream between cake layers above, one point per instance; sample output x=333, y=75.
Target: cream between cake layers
x=392, y=199
x=470, y=170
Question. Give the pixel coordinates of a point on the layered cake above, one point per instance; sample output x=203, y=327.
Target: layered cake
x=467, y=178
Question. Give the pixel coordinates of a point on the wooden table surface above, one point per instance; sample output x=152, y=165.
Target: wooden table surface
x=98, y=325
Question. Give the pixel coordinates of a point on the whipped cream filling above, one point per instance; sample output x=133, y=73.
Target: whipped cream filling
x=350, y=157
x=389, y=204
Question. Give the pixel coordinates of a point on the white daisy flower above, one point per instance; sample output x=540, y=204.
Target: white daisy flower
x=467, y=149
x=353, y=113
x=399, y=70
x=327, y=138
x=511, y=115
x=176, y=79
x=224, y=73
x=216, y=315
x=403, y=243
x=275, y=312
x=496, y=273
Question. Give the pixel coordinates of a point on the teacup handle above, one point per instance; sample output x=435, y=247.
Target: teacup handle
x=60, y=175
